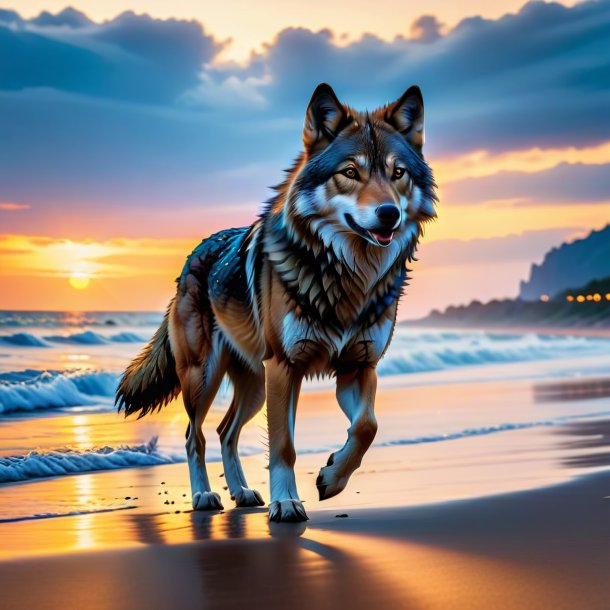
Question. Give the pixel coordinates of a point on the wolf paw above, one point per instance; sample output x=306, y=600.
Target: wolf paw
x=287, y=511
x=207, y=500
x=329, y=483
x=248, y=497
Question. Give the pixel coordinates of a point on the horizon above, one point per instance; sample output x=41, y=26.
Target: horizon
x=125, y=132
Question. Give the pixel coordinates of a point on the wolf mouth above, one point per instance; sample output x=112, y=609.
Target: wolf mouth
x=380, y=237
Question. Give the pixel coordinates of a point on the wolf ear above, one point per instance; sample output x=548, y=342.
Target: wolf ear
x=324, y=118
x=407, y=116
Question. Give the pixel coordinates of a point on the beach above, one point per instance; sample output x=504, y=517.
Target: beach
x=488, y=485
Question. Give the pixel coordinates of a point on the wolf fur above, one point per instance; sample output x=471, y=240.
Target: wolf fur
x=311, y=288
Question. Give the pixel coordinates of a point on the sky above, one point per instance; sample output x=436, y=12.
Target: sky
x=130, y=130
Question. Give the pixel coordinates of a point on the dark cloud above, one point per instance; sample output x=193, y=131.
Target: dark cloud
x=68, y=17
x=134, y=58
x=426, y=29
x=564, y=184
x=135, y=111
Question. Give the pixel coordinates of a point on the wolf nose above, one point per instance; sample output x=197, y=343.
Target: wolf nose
x=388, y=214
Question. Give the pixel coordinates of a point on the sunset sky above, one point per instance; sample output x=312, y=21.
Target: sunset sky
x=126, y=137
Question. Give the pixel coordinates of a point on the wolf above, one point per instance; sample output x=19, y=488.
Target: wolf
x=310, y=288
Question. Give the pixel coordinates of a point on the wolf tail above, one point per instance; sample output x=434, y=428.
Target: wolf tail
x=150, y=381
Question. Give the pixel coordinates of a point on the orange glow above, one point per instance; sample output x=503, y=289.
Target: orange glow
x=544, y=298
x=580, y=298
x=569, y=298
x=116, y=274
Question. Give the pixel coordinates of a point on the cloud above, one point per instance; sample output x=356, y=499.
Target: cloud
x=567, y=183
x=426, y=29
x=133, y=58
x=13, y=207
x=135, y=116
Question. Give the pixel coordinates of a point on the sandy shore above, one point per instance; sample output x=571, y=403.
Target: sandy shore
x=517, y=518
x=545, y=548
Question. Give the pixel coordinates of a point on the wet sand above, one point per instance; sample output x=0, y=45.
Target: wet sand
x=545, y=548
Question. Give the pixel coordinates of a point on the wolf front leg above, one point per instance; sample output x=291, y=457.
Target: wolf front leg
x=356, y=397
x=283, y=385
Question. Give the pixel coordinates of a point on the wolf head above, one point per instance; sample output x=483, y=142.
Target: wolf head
x=362, y=182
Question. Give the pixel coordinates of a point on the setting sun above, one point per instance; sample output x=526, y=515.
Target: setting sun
x=80, y=281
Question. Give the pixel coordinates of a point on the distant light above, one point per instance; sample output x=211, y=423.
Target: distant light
x=544, y=298
x=580, y=298
x=589, y=297
x=608, y=296
x=569, y=298
x=597, y=297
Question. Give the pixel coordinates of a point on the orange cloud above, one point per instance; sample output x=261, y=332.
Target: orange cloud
x=13, y=207
x=480, y=163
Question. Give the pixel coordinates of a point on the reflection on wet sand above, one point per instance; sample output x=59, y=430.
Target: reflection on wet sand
x=583, y=389
x=273, y=565
x=591, y=440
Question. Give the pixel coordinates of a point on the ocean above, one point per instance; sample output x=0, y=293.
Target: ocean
x=59, y=371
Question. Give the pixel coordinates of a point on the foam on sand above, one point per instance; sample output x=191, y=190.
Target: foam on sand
x=66, y=461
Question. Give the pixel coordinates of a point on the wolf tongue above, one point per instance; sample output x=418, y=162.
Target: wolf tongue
x=384, y=239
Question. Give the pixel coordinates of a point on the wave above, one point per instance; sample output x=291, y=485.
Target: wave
x=22, y=340
x=32, y=390
x=126, y=337
x=87, y=337
x=63, y=319
x=486, y=430
x=417, y=352
x=66, y=461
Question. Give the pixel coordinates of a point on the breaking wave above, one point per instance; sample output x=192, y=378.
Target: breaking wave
x=418, y=352
x=35, y=465
x=23, y=340
x=32, y=390
x=87, y=337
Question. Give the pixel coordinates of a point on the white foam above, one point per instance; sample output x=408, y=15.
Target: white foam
x=60, y=462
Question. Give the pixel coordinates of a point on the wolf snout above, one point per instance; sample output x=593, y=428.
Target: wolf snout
x=388, y=214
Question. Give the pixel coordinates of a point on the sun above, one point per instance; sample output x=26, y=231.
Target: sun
x=79, y=280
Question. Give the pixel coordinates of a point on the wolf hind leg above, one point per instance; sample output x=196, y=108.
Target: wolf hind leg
x=248, y=400
x=200, y=383
x=356, y=397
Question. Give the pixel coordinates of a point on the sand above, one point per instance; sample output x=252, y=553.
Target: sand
x=545, y=548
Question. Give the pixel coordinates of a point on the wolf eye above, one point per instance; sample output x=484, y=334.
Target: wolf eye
x=398, y=173
x=350, y=172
